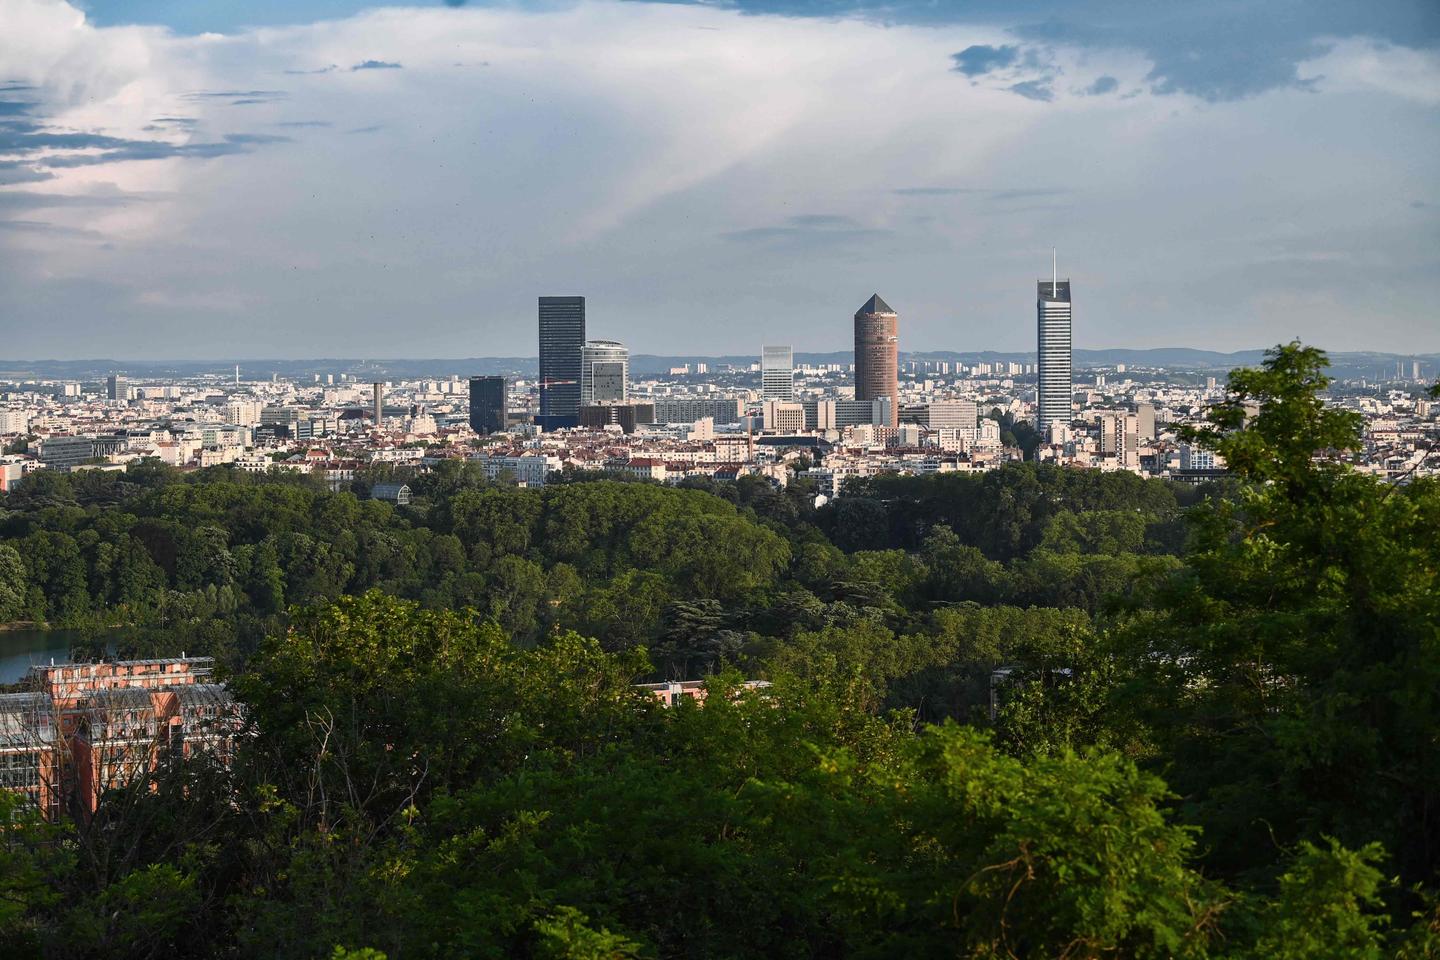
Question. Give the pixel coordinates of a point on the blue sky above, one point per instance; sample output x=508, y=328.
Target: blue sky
x=182, y=179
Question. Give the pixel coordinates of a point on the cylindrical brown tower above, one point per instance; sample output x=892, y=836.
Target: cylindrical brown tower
x=877, y=366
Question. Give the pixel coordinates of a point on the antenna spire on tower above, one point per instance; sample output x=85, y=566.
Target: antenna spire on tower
x=1054, y=274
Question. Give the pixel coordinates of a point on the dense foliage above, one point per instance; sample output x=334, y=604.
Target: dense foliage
x=1032, y=713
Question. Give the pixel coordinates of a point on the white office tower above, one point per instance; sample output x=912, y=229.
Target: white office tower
x=1053, y=315
x=604, y=372
x=1120, y=438
x=1197, y=458
x=777, y=373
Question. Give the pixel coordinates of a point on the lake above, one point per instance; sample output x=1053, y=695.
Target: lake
x=21, y=649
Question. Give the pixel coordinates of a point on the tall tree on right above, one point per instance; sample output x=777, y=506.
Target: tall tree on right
x=1292, y=678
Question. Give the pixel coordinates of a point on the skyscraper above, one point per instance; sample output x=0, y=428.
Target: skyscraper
x=604, y=372
x=777, y=373
x=877, y=341
x=116, y=388
x=379, y=403
x=1053, y=324
x=562, y=338
x=487, y=404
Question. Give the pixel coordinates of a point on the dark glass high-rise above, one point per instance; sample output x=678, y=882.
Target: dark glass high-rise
x=562, y=338
x=487, y=404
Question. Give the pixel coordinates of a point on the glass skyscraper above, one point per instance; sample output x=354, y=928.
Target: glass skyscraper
x=1056, y=387
x=487, y=404
x=604, y=372
x=777, y=373
x=562, y=338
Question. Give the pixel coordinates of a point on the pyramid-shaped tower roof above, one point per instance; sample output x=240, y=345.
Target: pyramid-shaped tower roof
x=874, y=305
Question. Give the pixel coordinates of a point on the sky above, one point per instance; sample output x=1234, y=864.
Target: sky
x=309, y=178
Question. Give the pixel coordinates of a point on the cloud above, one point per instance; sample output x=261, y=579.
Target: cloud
x=812, y=230
x=375, y=65
x=1033, y=90
x=707, y=177
x=15, y=171
x=32, y=200
x=1102, y=85
x=39, y=146
x=201, y=95
x=304, y=123
x=45, y=227
x=990, y=193
x=979, y=60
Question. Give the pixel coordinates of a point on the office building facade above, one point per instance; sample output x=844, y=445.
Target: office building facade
x=689, y=410
x=877, y=342
x=562, y=340
x=777, y=373
x=604, y=372
x=1056, y=386
x=487, y=404
x=626, y=416
x=116, y=388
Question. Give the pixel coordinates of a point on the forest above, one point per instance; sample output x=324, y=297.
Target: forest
x=1034, y=712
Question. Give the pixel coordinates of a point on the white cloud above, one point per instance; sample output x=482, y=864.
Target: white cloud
x=1360, y=64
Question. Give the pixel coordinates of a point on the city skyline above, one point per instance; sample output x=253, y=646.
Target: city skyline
x=177, y=183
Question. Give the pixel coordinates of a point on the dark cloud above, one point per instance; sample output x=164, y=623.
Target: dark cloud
x=988, y=193
x=18, y=171
x=15, y=108
x=373, y=128
x=42, y=226
x=249, y=138
x=1033, y=90
x=811, y=229
x=303, y=73
x=375, y=65
x=1102, y=85
x=29, y=200
x=1216, y=51
x=979, y=60
x=25, y=148
x=227, y=94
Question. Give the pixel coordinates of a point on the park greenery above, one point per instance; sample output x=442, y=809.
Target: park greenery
x=1029, y=713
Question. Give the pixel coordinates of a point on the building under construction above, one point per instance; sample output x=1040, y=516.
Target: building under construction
x=77, y=730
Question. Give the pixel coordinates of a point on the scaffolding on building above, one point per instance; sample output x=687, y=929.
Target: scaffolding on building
x=28, y=745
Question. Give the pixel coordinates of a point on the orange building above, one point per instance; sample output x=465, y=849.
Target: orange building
x=81, y=729
x=674, y=691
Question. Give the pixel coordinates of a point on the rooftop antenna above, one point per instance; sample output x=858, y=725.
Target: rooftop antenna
x=1054, y=274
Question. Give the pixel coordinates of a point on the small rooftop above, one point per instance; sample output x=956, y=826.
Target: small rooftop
x=875, y=305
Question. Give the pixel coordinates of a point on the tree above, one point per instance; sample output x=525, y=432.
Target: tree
x=12, y=584
x=1293, y=681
